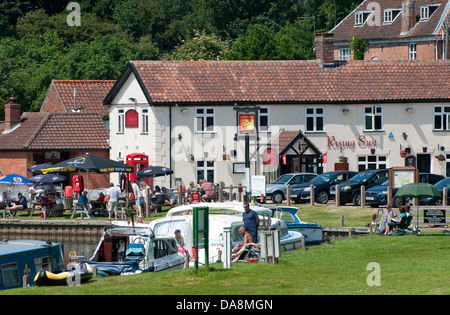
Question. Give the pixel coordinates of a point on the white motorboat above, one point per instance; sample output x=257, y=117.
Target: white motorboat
x=127, y=249
x=226, y=214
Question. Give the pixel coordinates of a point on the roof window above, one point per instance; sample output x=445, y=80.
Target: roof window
x=361, y=17
x=427, y=11
x=390, y=15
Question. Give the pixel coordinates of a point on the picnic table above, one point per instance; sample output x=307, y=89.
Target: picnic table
x=3, y=205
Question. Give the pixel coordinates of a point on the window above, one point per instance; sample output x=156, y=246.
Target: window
x=145, y=121
x=314, y=119
x=361, y=18
x=442, y=118
x=412, y=54
x=344, y=54
x=43, y=263
x=121, y=121
x=263, y=119
x=206, y=170
x=372, y=162
x=204, y=120
x=373, y=118
x=10, y=274
x=390, y=15
x=427, y=11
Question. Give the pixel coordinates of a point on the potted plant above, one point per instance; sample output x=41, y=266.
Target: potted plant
x=225, y=156
x=403, y=153
x=440, y=157
x=342, y=165
x=343, y=159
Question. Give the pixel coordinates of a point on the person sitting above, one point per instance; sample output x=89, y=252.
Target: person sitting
x=396, y=221
x=83, y=199
x=101, y=197
x=6, y=200
x=239, y=248
x=22, y=205
x=209, y=191
x=157, y=200
x=169, y=197
x=59, y=206
x=180, y=243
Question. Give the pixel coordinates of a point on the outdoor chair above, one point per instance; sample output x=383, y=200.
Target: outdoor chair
x=250, y=253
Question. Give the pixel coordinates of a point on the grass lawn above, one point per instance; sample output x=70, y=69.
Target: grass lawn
x=402, y=264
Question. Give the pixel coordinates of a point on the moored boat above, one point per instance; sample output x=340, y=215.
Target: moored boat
x=80, y=274
x=125, y=250
x=21, y=260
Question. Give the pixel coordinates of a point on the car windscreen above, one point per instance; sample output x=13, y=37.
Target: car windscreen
x=283, y=179
x=362, y=177
x=322, y=178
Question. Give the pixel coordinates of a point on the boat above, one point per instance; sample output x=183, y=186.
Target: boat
x=125, y=250
x=82, y=273
x=21, y=260
x=312, y=232
x=221, y=214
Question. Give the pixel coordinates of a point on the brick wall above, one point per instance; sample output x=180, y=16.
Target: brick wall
x=95, y=180
x=52, y=103
x=15, y=163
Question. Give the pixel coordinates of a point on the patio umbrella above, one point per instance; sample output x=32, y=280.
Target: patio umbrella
x=36, y=169
x=89, y=163
x=14, y=179
x=47, y=179
x=420, y=191
x=154, y=171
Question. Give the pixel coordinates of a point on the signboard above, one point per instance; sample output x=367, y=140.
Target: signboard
x=434, y=216
x=400, y=176
x=195, y=197
x=247, y=123
x=258, y=185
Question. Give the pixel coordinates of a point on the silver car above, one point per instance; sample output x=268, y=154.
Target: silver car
x=276, y=191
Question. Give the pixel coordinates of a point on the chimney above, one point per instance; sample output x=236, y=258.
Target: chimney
x=408, y=16
x=324, y=43
x=12, y=113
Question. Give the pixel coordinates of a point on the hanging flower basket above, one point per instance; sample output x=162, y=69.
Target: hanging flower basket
x=440, y=157
x=403, y=154
x=225, y=157
x=343, y=159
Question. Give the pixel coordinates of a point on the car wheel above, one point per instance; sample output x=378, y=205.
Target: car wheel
x=322, y=197
x=397, y=202
x=277, y=197
x=357, y=199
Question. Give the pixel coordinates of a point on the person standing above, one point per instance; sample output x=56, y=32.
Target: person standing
x=137, y=199
x=251, y=221
x=112, y=197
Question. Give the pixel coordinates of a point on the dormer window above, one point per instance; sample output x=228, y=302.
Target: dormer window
x=427, y=11
x=390, y=15
x=361, y=17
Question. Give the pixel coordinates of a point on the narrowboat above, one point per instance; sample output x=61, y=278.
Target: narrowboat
x=22, y=260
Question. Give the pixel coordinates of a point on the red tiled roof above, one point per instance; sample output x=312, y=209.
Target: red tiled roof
x=89, y=94
x=56, y=131
x=293, y=81
x=346, y=28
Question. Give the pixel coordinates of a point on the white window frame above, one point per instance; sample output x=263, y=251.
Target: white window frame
x=424, y=13
x=359, y=18
x=390, y=15
x=204, y=116
x=344, y=54
x=144, y=116
x=412, y=51
x=381, y=162
x=264, y=114
x=444, y=117
x=206, y=168
x=120, y=120
x=315, y=116
x=375, y=111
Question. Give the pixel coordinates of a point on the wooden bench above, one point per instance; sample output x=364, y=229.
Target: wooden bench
x=84, y=209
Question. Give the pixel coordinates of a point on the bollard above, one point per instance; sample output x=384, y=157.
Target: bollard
x=338, y=195
x=227, y=247
x=311, y=195
x=363, y=196
x=25, y=281
x=288, y=194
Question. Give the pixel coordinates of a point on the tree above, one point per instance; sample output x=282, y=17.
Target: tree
x=359, y=47
x=259, y=44
x=200, y=47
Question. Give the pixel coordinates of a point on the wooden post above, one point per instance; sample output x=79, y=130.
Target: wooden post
x=147, y=202
x=342, y=220
x=231, y=192
x=338, y=195
x=363, y=196
x=311, y=195
x=240, y=193
x=221, y=185
x=444, y=196
x=25, y=281
x=288, y=194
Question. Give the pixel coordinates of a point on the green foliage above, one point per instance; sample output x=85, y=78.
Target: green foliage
x=359, y=47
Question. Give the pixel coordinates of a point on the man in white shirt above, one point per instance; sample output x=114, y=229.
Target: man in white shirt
x=112, y=197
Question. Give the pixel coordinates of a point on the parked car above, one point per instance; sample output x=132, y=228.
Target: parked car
x=276, y=191
x=377, y=195
x=351, y=191
x=445, y=182
x=321, y=184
